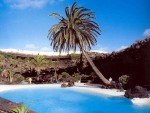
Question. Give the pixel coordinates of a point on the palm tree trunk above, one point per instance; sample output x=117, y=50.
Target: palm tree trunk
x=81, y=60
x=100, y=75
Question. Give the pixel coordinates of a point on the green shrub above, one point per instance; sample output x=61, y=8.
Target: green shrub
x=39, y=62
x=124, y=79
x=10, y=57
x=29, y=80
x=11, y=74
x=19, y=77
x=76, y=76
x=65, y=74
x=74, y=54
x=49, y=62
x=1, y=69
x=1, y=57
x=21, y=109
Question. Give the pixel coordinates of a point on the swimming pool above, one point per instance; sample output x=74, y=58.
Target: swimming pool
x=59, y=100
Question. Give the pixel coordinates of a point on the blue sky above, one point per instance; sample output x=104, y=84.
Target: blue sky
x=24, y=24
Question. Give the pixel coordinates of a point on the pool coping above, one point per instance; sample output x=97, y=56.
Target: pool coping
x=81, y=87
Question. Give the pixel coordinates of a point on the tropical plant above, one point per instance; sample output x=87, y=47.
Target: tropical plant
x=19, y=77
x=10, y=56
x=39, y=61
x=124, y=79
x=2, y=56
x=76, y=77
x=74, y=54
x=21, y=109
x=11, y=74
x=76, y=30
x=30, y=80
x=65, y=74
x=55, y=65
x=1, y=69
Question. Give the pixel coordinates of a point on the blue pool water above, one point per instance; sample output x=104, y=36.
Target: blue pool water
x=50, y=100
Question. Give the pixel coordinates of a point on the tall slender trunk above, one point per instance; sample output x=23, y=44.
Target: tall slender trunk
x=100, y=75
x=81, y=60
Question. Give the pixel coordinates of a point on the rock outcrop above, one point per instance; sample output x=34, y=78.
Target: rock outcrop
x=63, y=85
x=6, y=106
x=136, y=92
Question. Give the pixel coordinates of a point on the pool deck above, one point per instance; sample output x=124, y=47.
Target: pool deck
x=81, y=87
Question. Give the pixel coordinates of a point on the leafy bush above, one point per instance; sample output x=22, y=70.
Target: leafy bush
x=21, y=109
x=74, y=54
x=1, y=69
x=19, y=77
x=1, y=57
x=29, y=80
x=39, y=61
x=10, y=57
x=65, y=74
x=124, y=79
x=11, y=74
x=77, y=76
x=48, y=61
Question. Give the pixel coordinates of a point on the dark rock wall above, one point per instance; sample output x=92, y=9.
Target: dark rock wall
x=133, y=61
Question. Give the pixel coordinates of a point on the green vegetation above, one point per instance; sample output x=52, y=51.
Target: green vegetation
x=124, y=79
x=10, y=57
x=19, y=77
x=11, y=74
x=39, y=61
x=65, y=74
x=76, y=77
x=77, y=29
x=1, y=69
x=19, y=67
x=29, y=80
x=74, y=54
x=1, y=57
x=21, y=109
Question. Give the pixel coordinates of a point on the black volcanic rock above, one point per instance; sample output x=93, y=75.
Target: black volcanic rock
x=70, y=84
x=136, y=92
x=63, y=85
x=6, y=106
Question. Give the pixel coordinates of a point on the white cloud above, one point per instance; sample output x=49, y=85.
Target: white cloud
x=45, y=49
x=147, y=33
x=99, y=51
x=122, y=47
x=22, y=4
x=12, y=50
x=30, y=46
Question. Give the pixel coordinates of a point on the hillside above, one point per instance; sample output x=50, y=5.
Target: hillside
x=133, y=61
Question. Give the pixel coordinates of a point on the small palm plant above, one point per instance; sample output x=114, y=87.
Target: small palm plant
x=1, y=69
x=55, y=70
x=11, y=74
x=21, y=109
x=39, y=62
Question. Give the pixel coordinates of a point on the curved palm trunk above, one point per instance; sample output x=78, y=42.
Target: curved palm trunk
x=100, y=75
x=81, y=59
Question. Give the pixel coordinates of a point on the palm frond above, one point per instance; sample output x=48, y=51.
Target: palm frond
x=76, y=30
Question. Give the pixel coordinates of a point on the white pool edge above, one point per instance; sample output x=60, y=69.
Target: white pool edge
x=79, y=87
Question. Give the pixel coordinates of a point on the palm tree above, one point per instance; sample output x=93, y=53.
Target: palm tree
x=11, y=74
x=76, y=30
x=39, y=61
